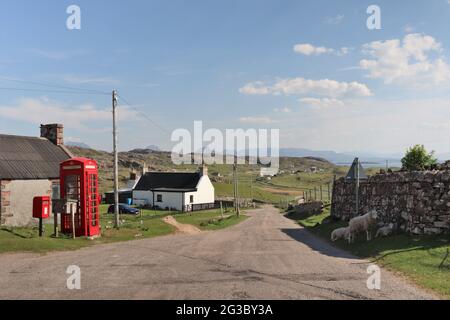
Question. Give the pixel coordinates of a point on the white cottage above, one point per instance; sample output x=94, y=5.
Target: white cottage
x=183, y=191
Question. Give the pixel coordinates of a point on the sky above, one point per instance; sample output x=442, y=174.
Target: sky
x=311, y=69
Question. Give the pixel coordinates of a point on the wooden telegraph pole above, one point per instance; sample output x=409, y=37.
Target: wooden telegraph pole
x=357, y=185
x=235, y=189
x=116, y=162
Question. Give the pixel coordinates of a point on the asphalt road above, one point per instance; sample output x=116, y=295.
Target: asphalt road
x=265, y=257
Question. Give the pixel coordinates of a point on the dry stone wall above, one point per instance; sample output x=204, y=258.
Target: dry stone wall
x=417, y=202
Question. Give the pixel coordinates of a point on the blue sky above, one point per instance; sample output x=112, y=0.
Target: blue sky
x=311, y=69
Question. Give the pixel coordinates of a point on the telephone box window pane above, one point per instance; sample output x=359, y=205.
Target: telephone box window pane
x=72, y=185
x=55, y=190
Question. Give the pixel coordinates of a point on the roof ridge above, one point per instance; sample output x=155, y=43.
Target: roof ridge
x=17, y=136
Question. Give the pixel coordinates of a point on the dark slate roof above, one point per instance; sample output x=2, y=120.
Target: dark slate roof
x=169, y=181
x=23, y=158
x=351, y=175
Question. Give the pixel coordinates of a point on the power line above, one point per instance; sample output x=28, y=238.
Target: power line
x=44, y=84
x=48, y=91
x=142, y=113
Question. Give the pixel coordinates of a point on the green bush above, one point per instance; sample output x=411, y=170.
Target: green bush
x=417, y=158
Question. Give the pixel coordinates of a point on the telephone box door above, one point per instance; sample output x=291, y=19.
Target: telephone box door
x=92, y=203
x=72, y=191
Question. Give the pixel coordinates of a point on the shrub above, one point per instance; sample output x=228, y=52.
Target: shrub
x=417, y=158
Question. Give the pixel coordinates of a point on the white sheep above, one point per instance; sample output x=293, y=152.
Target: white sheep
x=362, y=223
x=385, y=231
x=340, y=233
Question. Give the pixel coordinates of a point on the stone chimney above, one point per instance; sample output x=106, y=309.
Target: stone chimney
x=53, y=132
x=133, y=175
x=203, y=170
x=144, y=168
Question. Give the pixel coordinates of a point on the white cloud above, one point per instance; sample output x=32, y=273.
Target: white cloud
x=435, y=125
x=72, y=139
x=80, y=117
x=336, y=19
x=256, y=120
x=282, y=110
x=378, y=125
x=322, y=102
x=409, y=29
x=309, y=49
x=255, y=88
x=407, y=61
x=301, y=86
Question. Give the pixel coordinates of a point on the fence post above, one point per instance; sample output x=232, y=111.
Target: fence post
x=329, y=192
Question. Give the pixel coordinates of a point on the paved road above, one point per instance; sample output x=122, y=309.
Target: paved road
x=265, y=257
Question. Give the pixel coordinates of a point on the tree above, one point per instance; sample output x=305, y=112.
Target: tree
x=417, y=158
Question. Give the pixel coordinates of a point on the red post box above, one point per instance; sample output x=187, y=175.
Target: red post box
x=41, y=207
x=79, y=185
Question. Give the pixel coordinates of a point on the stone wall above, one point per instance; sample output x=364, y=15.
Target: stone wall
x=309, y=208
x=17, y=200
x=418, y=202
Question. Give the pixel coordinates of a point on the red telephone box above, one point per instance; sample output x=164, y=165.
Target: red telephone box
x=79, y=182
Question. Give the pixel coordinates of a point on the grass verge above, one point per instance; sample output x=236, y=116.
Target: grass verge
x=133, y=227
x=416, y=257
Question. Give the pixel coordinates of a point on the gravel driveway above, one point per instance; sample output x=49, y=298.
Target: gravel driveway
x=265, y=257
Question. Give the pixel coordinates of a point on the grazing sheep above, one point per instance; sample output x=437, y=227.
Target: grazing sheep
x=340, y=233
x=362, y=223
x=385, y=231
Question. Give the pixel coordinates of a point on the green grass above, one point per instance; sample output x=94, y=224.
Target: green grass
x=210, y=220
x=416, y=257
x=133, y=227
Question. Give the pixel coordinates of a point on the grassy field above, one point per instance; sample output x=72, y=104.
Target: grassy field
x=133, y=227
x=418, y=258
x=284, y=188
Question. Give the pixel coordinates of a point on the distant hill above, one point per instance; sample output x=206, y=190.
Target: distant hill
x=161, y=161
x=77, y=144
x=153, y=148
x=340, y=158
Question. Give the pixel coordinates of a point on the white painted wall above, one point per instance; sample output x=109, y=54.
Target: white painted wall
x=22, y=193
x=142, y=198
x=204, y=194
x=170, y=200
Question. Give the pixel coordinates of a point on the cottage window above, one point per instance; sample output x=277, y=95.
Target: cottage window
x=159, y=198
x=191, y=199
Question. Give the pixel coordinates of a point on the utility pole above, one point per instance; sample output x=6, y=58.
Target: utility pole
x=357, y=186
x=251, y=187
x=235, y=189
x=116, y=162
